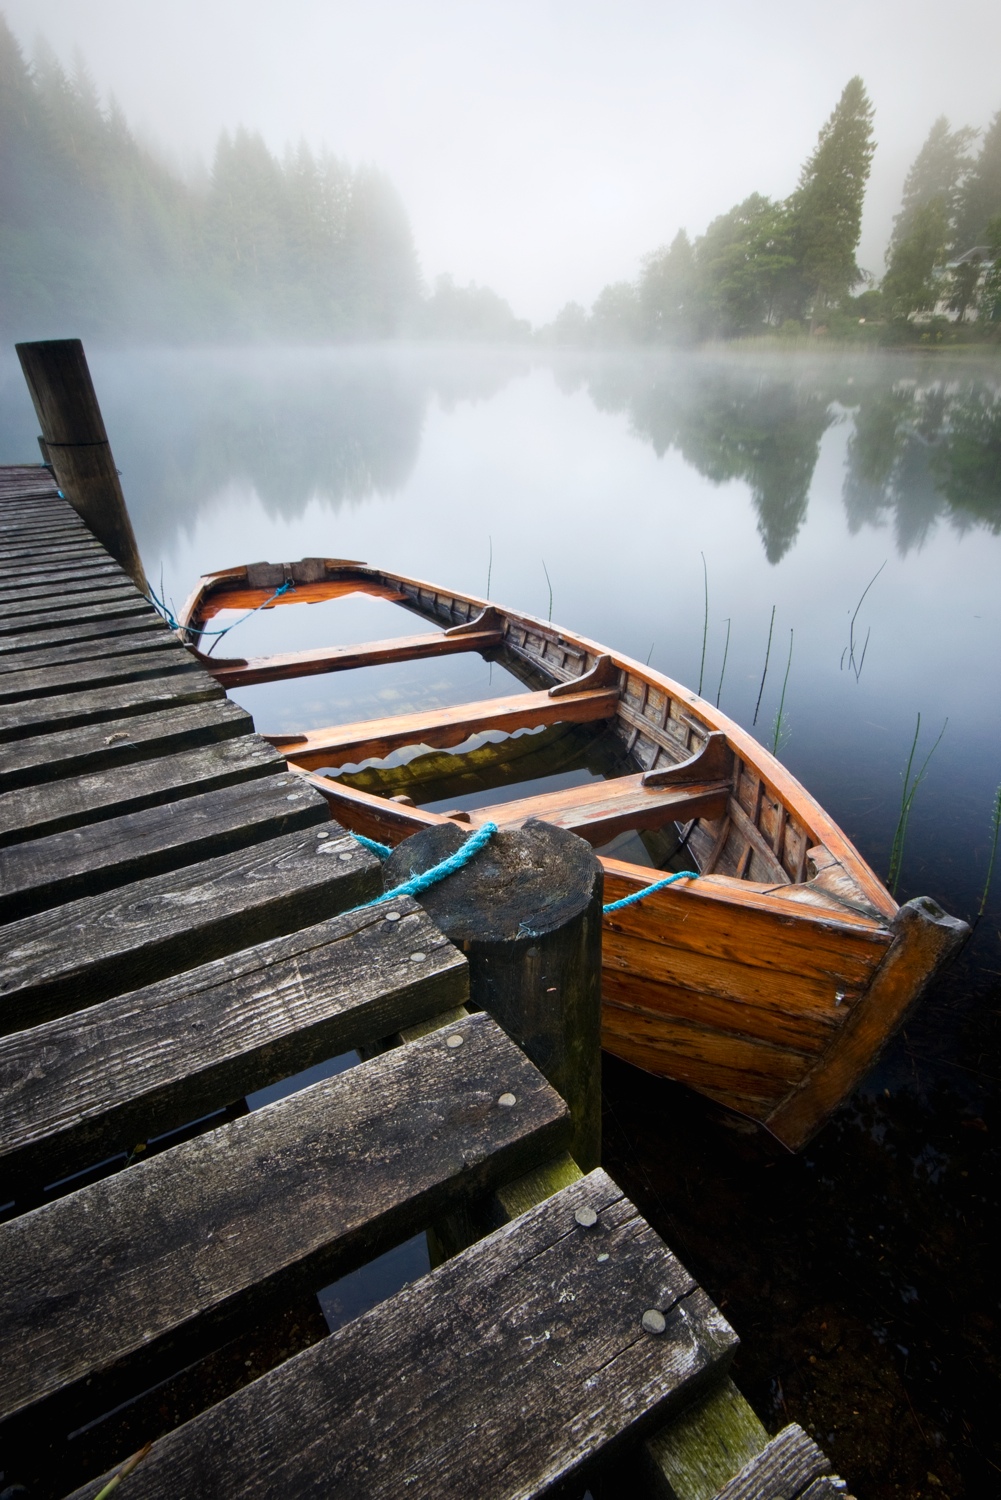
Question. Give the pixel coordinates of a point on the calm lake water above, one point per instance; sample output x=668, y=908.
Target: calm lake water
x=858, y=1273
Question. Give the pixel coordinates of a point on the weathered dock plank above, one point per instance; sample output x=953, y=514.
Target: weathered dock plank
x=498, y=1375
x=785, y=1469
x=84, y=610
x=45, y=654
x=153, y=659
x=337, y=1172
x=99, y=946
x=100, y=856
x=90, y=635
x=82, y=1087
x=35, y=812
x=97, y=705
x=47, y=758
x=41, y=604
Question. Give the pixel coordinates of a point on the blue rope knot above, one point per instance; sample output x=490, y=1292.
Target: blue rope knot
x=445, y=867
x=168, y=615
x=658, y=885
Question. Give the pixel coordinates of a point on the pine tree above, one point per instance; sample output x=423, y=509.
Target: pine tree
x=937, y=173
x=980, y=199
x=667, y=292
x=909, y=285
x=826, y=207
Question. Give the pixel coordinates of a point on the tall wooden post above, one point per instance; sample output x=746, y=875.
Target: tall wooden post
x=75, y=443
x=526, y=911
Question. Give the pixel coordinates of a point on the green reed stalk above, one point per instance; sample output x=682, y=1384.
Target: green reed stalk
x=850, y=648
x=726, y=650
x=490, y=563
x=546, y=571
x=906, y=803
x=995, y=826
x=768, y=652
x=705, y=621
x=782, y=700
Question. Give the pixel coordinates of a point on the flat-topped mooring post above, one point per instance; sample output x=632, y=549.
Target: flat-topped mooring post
x=75, y=444
x=526, y=912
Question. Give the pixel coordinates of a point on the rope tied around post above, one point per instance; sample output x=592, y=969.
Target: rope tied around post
x=440, y=871
x=471, y=847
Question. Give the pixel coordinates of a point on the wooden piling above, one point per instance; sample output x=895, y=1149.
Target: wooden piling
x=74, y=443
x=526, y=911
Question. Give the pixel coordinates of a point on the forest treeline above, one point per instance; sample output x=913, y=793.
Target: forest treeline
x=790, y=266
x=101, y=237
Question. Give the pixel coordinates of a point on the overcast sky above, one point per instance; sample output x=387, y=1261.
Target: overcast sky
x=543, y=146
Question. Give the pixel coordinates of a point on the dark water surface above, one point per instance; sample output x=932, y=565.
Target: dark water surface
x=857, y=1274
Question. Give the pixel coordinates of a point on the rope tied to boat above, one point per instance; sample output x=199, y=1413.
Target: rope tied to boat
x=658, y=885
x=168, y=616
x=471, y=847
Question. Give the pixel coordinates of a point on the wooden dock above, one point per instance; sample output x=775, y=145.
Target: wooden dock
x=184, y=925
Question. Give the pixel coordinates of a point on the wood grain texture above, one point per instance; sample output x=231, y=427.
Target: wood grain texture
x=99, y=946
x=36, y=812
x=338, y=1172
x=58, y=573
x=101, y=856
x=84, y=610
x=39, y=593
x=691, y=1457
x=89, y=636
x=39, y=604
x=923, y=938
x=443, y=727
x=97, y=705
x=781, y=1471
x=599, y=811
x=290, y=664
x=85, y=1086
x=45, y=655
x=499, y=1375
x=47, y=758
x=526, y=912
x=152, y=660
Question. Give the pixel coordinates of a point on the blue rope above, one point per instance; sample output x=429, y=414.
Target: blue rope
x=174, y=624
x=449, y=866
x=649, y=890
x=382, y=851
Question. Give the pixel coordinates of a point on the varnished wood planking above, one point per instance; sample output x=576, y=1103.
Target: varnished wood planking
x=153, y=660
x=99, y=946
x=38, y=716
x=49, y=758
x=528, y=1320
x=100, y=856
x=441, y=728
x=35, y=812
x=340, y=658
x=337, y=1172
x=84, y=1086
x=600, y=810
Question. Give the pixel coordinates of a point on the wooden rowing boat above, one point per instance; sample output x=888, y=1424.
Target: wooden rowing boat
x=769, y=984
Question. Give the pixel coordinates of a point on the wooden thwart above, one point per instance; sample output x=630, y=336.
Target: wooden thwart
x=441, y=728
x=527, y=1321
x=601, y=809
x=239, y=673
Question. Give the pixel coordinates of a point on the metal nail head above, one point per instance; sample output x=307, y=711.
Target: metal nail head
x=345, y=855
x=454, y=1040
x=603, y=1255
x=417, y=958
x=392, y=916
x=507, y=1101
x=586, y=1217
x=323, y=833
x=654, y=1321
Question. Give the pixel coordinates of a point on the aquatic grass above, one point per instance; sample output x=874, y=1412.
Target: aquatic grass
x=705, y=621
x=768, y=652
x=782, y=701
x=849, y=650
x=545, y=570
x=907, y=802
x=650, y=653
x=726, y=651
x=128, y=1467
x=490, y=563
x=995, y=826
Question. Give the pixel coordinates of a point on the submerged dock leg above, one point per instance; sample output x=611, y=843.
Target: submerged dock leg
x=75, y=445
